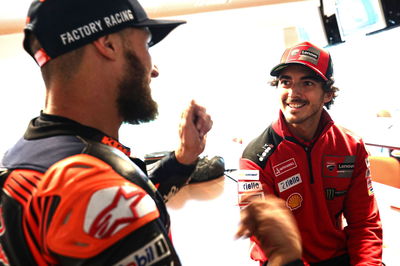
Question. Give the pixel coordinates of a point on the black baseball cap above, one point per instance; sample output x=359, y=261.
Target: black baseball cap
x=65, y=25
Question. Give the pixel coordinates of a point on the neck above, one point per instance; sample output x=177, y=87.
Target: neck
x=98, y=120
x=86, y=102
x=307, y=129
x=303, y=132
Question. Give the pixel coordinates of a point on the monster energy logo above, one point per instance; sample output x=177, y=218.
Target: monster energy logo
x=331, y=193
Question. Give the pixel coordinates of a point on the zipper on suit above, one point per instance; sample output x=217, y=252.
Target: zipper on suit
x=308, y=152
x=307, y=149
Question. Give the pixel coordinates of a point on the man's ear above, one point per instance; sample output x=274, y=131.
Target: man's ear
x=328, y=96
x=107, y=46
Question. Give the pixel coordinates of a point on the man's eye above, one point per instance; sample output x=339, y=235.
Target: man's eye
x=149, y=42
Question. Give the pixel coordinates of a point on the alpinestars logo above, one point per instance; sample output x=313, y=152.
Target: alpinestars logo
x=112, y=209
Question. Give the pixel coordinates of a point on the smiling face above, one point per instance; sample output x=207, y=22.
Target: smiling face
x=302, y=97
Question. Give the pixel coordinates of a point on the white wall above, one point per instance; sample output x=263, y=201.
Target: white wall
x=21, y=89
x=366, y=71
x=222, y=60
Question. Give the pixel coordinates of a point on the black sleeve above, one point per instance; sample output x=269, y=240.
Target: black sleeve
x=168, y=175
x=260, y=148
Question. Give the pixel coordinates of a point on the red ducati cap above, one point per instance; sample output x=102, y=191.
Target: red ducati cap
x=308, y=55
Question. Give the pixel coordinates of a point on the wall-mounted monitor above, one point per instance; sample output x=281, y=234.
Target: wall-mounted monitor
x=359, y=17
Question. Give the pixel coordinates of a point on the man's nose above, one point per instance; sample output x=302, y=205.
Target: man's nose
x=154, y=71
x=295, y=89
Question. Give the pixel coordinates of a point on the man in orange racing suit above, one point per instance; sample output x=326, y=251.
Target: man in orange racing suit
x=319, y=168
x=71, y=194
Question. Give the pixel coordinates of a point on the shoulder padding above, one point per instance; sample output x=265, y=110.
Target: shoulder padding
x=97, y=206
x=259, y=149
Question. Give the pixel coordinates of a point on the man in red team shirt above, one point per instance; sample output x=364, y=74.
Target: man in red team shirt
x=320, y=169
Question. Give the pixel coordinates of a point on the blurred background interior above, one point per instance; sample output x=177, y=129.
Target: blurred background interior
x=222, y=57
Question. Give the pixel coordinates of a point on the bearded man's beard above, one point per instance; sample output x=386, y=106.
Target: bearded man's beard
x=135, y=104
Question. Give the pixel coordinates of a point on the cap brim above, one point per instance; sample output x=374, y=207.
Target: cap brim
x=277, y=69
x=159, y=28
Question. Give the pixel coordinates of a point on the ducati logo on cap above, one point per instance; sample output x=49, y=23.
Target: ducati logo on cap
x=310, y=55
x=294, y=52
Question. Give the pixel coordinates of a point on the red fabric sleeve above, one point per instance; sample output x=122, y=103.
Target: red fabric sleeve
x=266, y=181
x=256, y=252
x=364, y=230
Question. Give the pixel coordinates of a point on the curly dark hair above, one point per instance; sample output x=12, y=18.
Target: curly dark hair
x=327, y=86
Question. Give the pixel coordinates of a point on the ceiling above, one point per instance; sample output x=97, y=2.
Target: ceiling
x=12, y=13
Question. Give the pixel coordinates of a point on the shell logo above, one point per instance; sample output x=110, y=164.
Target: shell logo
x=294, y=201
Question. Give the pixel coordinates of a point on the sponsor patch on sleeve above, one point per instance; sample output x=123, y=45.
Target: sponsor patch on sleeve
x=249, y=186
x=369, y=186
x=247, y=175
x=246, y=198
x=151, y=253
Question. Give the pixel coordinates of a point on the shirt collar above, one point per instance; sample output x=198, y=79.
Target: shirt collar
x=51, y=125
x=280, y=126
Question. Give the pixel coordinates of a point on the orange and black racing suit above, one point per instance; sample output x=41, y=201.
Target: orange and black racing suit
x=72, y=195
